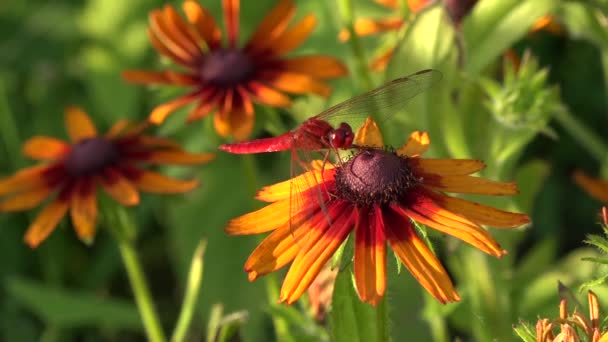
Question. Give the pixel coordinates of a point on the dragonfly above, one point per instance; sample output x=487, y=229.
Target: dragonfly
x=331, y=131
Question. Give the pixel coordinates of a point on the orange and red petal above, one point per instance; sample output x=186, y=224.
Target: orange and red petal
x=159, y=77
x=316, y=253
x=163, y=50
x=231, y=20
x=204, y=22
x=45, y=222
x=424, y=210
x=381, y=61
x=273, y=25
x=369, y=135
x=154, y=182
x=446, y=167
x=295, y=83
x=282, y=191
x=45, y=148
x=181, y=31
x=170, y=39
x=83, y=210
x=27, y=178
x=160, y=113
x=418, y=259
x=597, y=188
x=79, y=124
x=119, y=187
x=271, y=217
x=367, y=27
x=290, y=39
x=316, y=66
x=416, y=145
x=25, y=200
x=237, y=123
x=370, y=255
x=480, y=213
x=209, y=99
x=468, y=185
x=268, y=96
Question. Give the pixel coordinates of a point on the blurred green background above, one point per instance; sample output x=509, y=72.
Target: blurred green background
x=55, y=53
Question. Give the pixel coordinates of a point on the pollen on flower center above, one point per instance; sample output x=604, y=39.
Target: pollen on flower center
x=374, y=177
x=89, y=156
x=226, y=67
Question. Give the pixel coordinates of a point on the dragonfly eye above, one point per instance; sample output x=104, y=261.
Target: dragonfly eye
x=336, y=138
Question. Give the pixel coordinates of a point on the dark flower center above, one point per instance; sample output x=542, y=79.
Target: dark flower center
x=374, y=177
x=89, y=156
x=227, y=67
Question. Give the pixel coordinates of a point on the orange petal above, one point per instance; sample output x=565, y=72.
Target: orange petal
x=45, y=148
x=269, y=218
x=23, y=179
x=25, y=200
x=161, y=77
x=84, y=211
x=479, y=213
x=79, y=124
x=276, y=251
x=231, y=20
x=469, y=185
x=180, y=31
x=179, y=157
x=119, y=188
x=381, y=61
x=296, y=83
x=595, y=187
x=163, y=50
x=293, y=37
x=369, y=135
x=416, y=145
x=418, y=259
x=209, y=99
x=169, y=38
x=45, y=223
x=155, y=182
x=370, y=256
x=366, y=27
x=273, y=25
x=316, y=66
x=447, y=167
x=160, y=113
x=236, y=123
x=392, y=4
x=282, y=190
x=204, y=22
x=417, y=5
x=268, y=96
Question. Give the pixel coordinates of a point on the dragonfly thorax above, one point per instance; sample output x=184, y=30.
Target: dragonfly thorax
x=341, y=137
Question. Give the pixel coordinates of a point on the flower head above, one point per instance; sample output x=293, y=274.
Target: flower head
x=378, y=193
x=227, y=79
x=72, y=172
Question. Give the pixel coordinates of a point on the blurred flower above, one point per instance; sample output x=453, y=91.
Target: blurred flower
x=228, y=79
x=547, y=23
x=321, y=290
x=378, y=193
x=572, y=327
x=74, y=170
x=595, y=187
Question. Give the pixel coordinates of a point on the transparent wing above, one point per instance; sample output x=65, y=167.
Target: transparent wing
x=382, y=102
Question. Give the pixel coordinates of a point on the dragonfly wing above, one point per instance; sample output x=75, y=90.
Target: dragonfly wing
x=382, y=102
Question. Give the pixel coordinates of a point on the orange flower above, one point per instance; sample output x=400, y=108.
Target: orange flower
x=595, y=187
x=378, y=193
x=228, y=79
x=73, y=171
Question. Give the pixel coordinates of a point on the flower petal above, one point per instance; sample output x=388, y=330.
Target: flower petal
x=79, y=124
x=293, y=37
x=204, y=22
x=595, y=187
x=446, y=167
x=119, y=187
x=45, y=222
x=381, y=61
x=267, y=95
x=84, y=211
x=418, y=259
x=231, y=20
x=30, y=177
x=159, y=77
x=269, y=218
x=273, y=25
x=180, y=31
x=169, y=38
x=25, y=200
x=468, y=185
x=416, y=145
x=370, y=255
x=155, y=182
x=369, y=135
x=282, y=191
x=237, y=123
x=160, y=113
x=368, y=27
x=45, y=148
x=295, y=83
x=316, y=66
x=165, y=51
x=394, y=4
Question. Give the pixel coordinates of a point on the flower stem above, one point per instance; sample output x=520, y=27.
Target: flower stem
x=355, y=44
x=582, y=135
x=382, y=320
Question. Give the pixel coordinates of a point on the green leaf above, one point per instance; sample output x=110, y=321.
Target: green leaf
x=72, y=309
x=525, y=331
x=531, y=177
x=494, y=25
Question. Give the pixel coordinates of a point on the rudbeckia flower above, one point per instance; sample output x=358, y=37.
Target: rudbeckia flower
x=225, y=78
x=72, y=171
x=378, y=194
x=595, y=187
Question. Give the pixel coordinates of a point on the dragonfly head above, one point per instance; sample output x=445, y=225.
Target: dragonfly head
x=342, y=137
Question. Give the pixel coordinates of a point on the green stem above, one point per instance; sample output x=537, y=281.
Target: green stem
x=382, y=320
x=435, y=319
x=582, y=135
x=355, y=44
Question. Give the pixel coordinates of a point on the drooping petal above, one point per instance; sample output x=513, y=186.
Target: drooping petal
x=231, y=20
x=446, y=167
x=468, y=185
x=316, y=66
x=381, y=61
x=209, y=99
x=237, y=123
x=416, y=145
x=596, y=187
x=319, y=247
x=83, y=210
x=295, y=83
x=368, y=27
x=160, y=113
x=272, y=25
x=293, y=37
x=163, y=50
x=159, y=77
x=25, y=200
x=45, y=148
x=369, y=135
x=267, y=95
x=30, y=177
x=370, y=255
x=154, y=182
x=178, y=157
x=180, y=31
x=45, y=222
x=281, y=191
x=78, y=124
x=119, y=187
x=418, y=259
x=204, y=22
x=479, y=213
x=169, y=38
